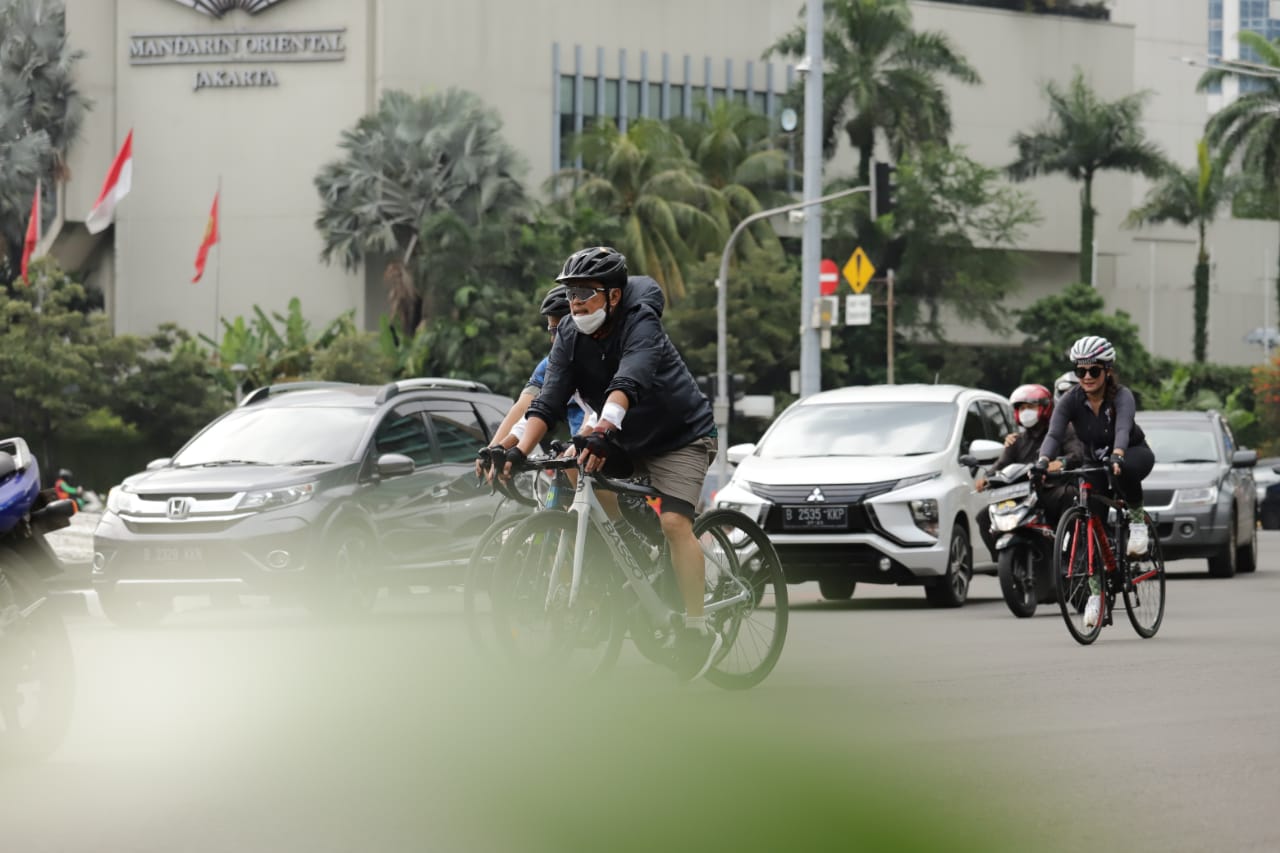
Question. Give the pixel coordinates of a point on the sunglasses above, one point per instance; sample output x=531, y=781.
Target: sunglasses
x=1093, y=371
x=582, y=294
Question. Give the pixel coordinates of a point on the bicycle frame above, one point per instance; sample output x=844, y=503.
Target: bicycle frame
x=590, y=512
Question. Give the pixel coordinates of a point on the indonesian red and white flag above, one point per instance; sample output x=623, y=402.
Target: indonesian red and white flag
x=33, y=233
x=114, y=188
x=210, y=237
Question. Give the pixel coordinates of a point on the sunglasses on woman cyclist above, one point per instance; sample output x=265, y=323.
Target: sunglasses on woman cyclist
x=1093, y=371
x=582, y=294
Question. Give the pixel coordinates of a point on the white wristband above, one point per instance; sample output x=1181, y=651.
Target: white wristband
x=613, y=413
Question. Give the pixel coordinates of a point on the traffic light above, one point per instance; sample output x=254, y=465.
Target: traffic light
x=882, y=189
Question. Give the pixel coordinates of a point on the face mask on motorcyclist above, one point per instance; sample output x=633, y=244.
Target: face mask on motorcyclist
x=1028, y=417
x=589, y=323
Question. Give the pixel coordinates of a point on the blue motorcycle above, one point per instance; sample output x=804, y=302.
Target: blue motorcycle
x=37, y=675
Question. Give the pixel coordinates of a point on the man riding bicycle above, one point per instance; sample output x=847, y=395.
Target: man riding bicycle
x=1102, y=412
x=652, y=416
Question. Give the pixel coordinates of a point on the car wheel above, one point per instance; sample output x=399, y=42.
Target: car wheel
x=952, y=589
x=1223, y=563
x=837, y=588
x=128, y=610
x=1247, y=555
x=344, y=587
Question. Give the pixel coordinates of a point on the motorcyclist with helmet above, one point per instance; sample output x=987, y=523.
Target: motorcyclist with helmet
x=652, y=417
x=1033, y=407
x=1102, y=412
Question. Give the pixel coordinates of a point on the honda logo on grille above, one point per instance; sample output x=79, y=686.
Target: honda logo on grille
x=179, y=508
x=816, y=496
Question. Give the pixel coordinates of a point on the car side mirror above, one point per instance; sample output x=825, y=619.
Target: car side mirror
x=7, y=464
x=393, y=465
x=163, y=462
x=983, y=451
x=1244, y=459
x=1275, y=469
x=739, y=452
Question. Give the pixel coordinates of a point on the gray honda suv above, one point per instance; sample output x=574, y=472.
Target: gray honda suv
x=326, y=491
x=1201, y=492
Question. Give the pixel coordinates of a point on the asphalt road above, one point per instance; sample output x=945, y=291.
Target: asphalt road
x=886, y=723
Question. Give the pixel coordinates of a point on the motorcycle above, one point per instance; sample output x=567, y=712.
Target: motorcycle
x=1024, y=546
x=37, y=674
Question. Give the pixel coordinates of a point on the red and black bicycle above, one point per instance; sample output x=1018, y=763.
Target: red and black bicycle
x=1089, y=559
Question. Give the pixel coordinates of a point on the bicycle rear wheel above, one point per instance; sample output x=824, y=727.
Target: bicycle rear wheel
x=477, y=605
x=1077, y=549
x=534, y=621
x=745, y=578
x=1144, y=587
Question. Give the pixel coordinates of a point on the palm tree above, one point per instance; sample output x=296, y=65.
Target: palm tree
x=40, y=113
x=881, y=74
x=1085, y=135
x=1191, y=197
x=645, y=178
x=415, y=172
x=1250, y=125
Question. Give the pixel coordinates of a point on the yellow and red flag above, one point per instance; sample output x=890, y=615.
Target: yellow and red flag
x=210, y=237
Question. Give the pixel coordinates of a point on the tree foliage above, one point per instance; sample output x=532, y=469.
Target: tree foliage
x=40, y=114
x=417, y=173
x=883, y=75
x=1082, y=136
x=1053, y=323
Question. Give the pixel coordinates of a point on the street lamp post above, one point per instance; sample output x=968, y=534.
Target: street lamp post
x=721, y=406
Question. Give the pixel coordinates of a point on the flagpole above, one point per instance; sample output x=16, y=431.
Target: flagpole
x=217, y=277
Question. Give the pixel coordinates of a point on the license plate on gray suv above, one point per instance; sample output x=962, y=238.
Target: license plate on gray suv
x=815, y=517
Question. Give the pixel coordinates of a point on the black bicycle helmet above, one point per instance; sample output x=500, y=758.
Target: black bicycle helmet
x=599, y=263
x=556, y=302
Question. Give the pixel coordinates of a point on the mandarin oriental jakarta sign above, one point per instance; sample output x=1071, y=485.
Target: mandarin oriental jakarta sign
x=227, y=55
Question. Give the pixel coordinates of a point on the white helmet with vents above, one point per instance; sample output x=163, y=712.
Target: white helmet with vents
x=1092, y=349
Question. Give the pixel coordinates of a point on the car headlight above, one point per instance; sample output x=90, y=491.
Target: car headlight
x=925, y=514
x=754, y=507
x=912, y=481
x=119, y=500
x=1197, y=497
x=274, y=498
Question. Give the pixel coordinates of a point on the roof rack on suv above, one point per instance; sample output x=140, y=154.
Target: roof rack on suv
x=400, y=386
x=260, y=394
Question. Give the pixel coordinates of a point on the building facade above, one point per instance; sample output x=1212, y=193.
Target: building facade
x=253, y=104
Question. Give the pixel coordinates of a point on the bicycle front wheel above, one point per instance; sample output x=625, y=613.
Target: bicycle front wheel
x=477, y=606
x=1078, y=563
x=534, y=620
x=1144, y=587
x=746, y=597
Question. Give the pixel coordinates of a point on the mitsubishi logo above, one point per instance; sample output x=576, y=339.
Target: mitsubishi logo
x=816, y=496
x=178, y=508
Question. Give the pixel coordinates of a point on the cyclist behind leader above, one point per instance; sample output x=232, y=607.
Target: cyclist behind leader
x=1033, y=406
x=618, y=356
x=555, y=306
x=1102, y=412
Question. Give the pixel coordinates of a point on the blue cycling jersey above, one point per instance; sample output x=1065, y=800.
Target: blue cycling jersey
x=573, y=412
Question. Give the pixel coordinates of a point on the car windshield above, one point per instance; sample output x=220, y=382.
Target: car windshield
x=1182, y=444
x=861, y=429
x=274, y=436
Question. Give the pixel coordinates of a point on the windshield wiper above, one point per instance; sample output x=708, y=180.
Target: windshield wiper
x=219, y=462
x=1192, y=461
x=308, y=462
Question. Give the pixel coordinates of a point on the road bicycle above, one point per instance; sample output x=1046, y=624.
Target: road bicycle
x=570, y=589
x=1087, y=550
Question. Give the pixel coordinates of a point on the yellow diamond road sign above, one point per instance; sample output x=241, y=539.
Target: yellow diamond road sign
x=858, y=270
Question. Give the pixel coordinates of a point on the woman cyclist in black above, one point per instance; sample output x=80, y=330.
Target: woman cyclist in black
x=1102, y=412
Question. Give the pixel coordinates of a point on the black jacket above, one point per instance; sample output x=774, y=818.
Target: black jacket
x=1112, y=427
x=666, y=411
x=1026, y=448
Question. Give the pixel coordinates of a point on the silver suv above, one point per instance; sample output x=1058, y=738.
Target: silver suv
x=1201, y=491
x=865, y=484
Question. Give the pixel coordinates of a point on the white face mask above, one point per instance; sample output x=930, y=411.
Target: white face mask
x=1028, y=417
x=589, y=323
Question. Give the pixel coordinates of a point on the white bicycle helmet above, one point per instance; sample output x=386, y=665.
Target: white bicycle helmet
x=1092, y=349
x=1063, y=384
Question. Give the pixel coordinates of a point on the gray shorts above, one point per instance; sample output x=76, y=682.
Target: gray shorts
x=680, y=473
